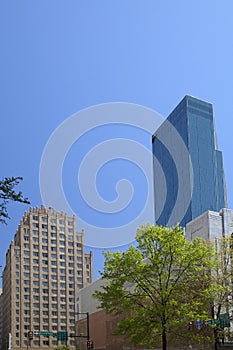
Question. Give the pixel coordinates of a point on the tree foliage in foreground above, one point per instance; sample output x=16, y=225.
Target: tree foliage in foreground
x=223, y=275
x=62, y=347
x=223, y=278
x=159, y=286
x=8, y=193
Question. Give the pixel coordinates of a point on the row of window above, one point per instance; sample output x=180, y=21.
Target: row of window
x=52, y=220
x=45, y=227
x=46, y=298
x=46, y=269
x=45, y=327
x=44, y=342
x=53, y=241
x=46, y=305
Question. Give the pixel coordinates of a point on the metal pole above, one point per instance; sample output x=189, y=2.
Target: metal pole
x=88, y=327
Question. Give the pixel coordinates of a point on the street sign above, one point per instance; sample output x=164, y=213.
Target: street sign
x=62, y=336
x=45, y=334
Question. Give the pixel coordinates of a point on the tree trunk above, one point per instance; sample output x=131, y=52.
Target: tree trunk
x=164, y=338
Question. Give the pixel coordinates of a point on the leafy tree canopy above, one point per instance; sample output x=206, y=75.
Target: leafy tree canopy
x=159, y=286
x=62, y=347
x=8, y=193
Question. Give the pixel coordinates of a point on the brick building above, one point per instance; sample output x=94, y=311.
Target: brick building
x=45, y=267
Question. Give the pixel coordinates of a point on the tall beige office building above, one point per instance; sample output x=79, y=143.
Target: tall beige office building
x=45, y=267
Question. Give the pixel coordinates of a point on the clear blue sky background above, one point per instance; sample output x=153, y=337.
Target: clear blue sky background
x=58, y=57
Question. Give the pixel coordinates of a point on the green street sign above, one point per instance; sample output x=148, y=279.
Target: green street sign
x=45, y=334
x=62, y=336
x=224, y=320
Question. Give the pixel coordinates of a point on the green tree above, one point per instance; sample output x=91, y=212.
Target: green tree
x=62, y=347
x=8, y=193
x=222, y=276
x=159, y=286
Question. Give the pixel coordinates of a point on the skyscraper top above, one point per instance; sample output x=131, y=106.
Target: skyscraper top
x=202, y=179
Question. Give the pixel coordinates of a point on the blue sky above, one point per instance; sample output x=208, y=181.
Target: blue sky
x=59, y=57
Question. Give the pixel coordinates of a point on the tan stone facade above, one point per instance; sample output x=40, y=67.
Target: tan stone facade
x=45, y=267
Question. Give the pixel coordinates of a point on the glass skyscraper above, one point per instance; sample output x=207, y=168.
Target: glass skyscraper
x=201, y=178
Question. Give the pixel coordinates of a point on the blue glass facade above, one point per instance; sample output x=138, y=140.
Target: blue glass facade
x=203, y=179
